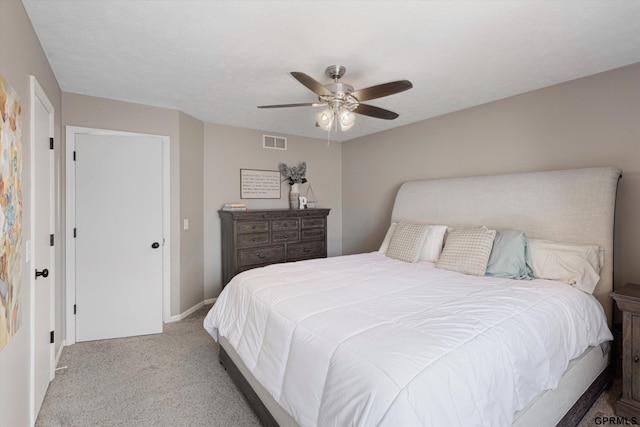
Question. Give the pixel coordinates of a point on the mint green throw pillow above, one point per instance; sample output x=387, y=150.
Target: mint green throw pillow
x=508, y=257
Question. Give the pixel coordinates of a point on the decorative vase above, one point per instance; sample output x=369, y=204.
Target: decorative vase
x=294, y=194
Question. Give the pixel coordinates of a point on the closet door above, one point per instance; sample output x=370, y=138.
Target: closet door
x=119, y=240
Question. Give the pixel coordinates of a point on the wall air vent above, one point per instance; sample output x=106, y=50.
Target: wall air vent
x=274, y=142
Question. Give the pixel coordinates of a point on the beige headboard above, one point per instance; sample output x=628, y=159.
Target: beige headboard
x=575, y=206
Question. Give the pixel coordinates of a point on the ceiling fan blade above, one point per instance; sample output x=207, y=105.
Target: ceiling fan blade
x=381, y=90
x=378, y=113
x=311, y=83
x=305, y=104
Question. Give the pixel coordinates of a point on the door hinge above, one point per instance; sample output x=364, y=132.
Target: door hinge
x=74, y=156
x=74, y=232
x=52, y=340
x=51, y=240
x=74, y=309
x=51, y=143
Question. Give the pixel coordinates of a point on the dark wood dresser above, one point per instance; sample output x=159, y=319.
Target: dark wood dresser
x=628, y=300
x=256, y=238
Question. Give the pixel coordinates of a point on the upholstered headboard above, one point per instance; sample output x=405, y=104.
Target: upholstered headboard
x=573, y=206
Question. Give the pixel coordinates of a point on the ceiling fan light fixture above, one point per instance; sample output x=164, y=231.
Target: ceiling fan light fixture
x=347, y=119
x=325, y=119
x=342, y=102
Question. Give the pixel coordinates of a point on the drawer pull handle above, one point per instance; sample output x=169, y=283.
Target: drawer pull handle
x=286, y=236
x=636, y=359
x=306, y=250
x=253, y=227
x=254, y=239
x=261, y=255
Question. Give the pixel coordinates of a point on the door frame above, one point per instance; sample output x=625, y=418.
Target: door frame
x=37, y=93
x=70, y=268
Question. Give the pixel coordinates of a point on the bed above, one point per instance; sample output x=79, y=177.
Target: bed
x=376, y=339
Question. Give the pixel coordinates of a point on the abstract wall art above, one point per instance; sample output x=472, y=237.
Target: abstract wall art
x=10, y=212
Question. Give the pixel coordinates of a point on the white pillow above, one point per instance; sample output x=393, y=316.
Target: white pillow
x=407, y=241
x=433, y=244
x=387, y=238
x=576, y=265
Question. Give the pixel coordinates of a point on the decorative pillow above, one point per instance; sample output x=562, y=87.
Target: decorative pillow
x=407, y=241
x=576, y=265
x=467, y=250
x=509, y=256
x=433, y=244
x=387, y=238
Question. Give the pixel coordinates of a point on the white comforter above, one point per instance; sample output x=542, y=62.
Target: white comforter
x=367, y=340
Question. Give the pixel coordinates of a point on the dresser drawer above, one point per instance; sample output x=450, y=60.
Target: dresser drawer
x=252, y=226
x=284, y=236
x=257, y=256
x=252, y=239
x=313, y=222
x=313, y=233
x=299, y=251
x=284, y=224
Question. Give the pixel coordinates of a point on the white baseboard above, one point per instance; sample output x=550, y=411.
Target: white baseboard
x=192, y=310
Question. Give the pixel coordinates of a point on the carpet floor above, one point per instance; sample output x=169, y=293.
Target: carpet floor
x=168, y=379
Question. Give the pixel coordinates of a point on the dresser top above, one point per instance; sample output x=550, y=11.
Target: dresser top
x=274, y=213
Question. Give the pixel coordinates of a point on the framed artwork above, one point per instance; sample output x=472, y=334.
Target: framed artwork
x=10, y=212
x=259, y=184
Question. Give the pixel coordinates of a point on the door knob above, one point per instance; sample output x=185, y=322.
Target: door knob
x=43, y=273
x=155, y=245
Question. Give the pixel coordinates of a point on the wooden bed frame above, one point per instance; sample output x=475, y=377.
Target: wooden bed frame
x=574, y=206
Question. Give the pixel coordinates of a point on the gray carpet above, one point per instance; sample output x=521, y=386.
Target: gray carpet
x=169, y=379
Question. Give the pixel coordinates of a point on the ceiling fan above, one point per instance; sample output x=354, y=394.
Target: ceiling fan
x=342, y=101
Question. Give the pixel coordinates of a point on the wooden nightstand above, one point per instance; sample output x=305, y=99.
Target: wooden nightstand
x=628, y=301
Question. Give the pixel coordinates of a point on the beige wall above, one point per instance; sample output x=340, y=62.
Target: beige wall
x=191, y=209
x=21, y=56
x=100, y=113
x=593, y=121
x=186, y=179
x=229, y=149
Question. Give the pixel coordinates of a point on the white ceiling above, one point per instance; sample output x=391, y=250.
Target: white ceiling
x=219, y=60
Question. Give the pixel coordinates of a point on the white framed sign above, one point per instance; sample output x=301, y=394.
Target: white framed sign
x=259, y=184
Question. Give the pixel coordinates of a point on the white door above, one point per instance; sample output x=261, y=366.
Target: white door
x=119, y=240
x=44, y=254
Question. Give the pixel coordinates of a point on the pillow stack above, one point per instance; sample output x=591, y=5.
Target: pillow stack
x=509, y=254
x=411, y=242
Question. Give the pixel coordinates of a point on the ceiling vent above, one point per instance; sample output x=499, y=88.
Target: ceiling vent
x=274, y=142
